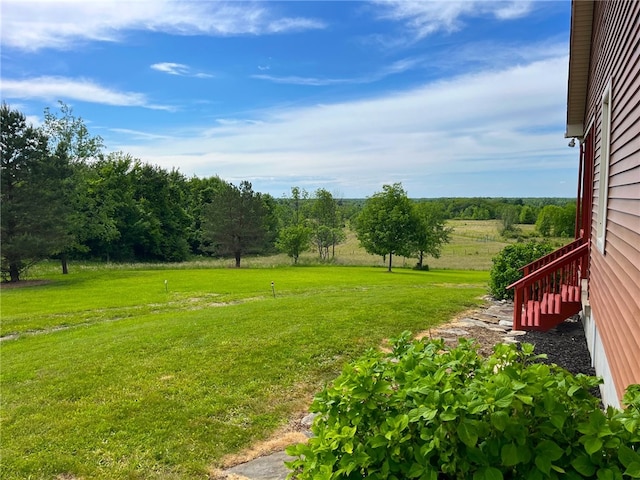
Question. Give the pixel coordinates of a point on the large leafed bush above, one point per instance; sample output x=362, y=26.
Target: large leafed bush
x=429, y=412
x=507, y=264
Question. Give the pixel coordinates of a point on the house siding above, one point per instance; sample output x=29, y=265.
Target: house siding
x=614, y=279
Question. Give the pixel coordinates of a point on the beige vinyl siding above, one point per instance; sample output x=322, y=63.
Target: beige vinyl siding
x=614, y=283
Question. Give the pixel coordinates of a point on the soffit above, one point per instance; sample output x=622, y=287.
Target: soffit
x=579, y=58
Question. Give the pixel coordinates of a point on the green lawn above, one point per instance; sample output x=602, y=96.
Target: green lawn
x=111, y=376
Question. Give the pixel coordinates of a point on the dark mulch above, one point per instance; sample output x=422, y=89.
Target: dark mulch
x=565, y=345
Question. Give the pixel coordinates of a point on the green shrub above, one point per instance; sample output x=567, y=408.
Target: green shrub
x=507, y=264
x=431, y=412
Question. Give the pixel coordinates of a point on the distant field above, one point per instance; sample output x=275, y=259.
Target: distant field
x=114, y=374
x=473, y=245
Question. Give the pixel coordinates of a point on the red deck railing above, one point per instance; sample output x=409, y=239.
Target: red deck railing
x=549, y=293
x=541, y=262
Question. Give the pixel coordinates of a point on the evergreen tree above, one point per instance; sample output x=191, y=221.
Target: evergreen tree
x=235, y=222
x=34, y=208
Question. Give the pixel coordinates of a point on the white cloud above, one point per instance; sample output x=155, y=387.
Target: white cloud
x=62, y=88
x=514, y=9
x=296, y=80
x=179, y=69
x=138, y=135
x=393, y=69
x=501, y=121
x=34, y=120
x=59, y=24
x=423, y=18
x=171, y=68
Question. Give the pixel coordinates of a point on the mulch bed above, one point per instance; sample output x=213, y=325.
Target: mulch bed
x=565, y=345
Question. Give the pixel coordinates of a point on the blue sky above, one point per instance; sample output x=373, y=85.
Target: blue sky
x=457, y=98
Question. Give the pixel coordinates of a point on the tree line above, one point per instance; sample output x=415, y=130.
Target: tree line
x=63, y=197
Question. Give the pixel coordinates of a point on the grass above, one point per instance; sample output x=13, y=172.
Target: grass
x=111, y=373
x=113, y=376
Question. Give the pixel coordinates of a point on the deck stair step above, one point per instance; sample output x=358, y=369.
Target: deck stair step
x=550, y=292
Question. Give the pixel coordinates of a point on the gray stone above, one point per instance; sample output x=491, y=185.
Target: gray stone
x=484, y=317
x=506, y=323
x=270, y=467
x=497, y=328
x=516, y=333
x=471, y=322
x=510, y=340
x=452, y=331
x=500, y=310
x=307, y=421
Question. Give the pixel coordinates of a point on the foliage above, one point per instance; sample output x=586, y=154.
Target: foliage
x=71, y=132
x=295, y=209
x=387, y=223
x=508, y=219
x=432, y=412
x=294, y=240
x=325, y=223
x=527, y=215
x=200, y=192
x=506, y=266
x=431, y=232
x=137, y=211
x=35, y=211
x=69, y=136
x=557, y=221
x=235, y=222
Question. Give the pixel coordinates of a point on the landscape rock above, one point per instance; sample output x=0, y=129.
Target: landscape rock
x=509, y=340
x=452, y=331
x=472, y=322
x=270, y=467
x=307, y=420
x=516, y=333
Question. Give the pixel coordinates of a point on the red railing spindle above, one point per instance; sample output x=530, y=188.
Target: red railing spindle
x=549, y=282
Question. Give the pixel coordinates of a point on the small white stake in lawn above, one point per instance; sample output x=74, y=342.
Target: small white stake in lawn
x=273, y=289
x=166, y=286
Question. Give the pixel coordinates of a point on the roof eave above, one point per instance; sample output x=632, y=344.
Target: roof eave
x=579, y=64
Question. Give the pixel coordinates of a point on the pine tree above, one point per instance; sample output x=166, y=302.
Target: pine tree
x=34, y=210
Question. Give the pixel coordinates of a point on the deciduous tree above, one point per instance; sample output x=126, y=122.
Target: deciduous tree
x=527, y=215
x=68, y=135
x=294, y=240
x=387, y=223
x=326, y=223
x=431, y=232
x=557, y=221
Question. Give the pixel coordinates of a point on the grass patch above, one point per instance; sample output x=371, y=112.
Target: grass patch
x=112, y=376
